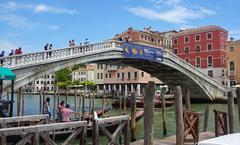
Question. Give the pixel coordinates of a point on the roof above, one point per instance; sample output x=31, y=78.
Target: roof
x=199, y=30
x=6, y=74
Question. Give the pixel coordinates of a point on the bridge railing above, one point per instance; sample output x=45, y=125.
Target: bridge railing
x=194, y=69
x=57, y=54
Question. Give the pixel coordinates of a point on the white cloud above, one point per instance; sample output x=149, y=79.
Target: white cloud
x=175, y=15
x=172, y=11
x=234, y=33
x=37, y=8
x=7, y=46
x=40, y=8
x=15, y=21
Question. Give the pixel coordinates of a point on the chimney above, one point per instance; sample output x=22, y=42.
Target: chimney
x=231, y=39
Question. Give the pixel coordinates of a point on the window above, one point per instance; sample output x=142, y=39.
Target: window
x=97, y=75
x=101, y=75
x=223, y=83
x=142, y=37
x=186, y=39
x=223, y=73
x=118, y=75
x=123, y=75
x=209, y=35
x=223, y=62
x=106, y=75
x=222, y=46
x=209, y=46
x=197, y=47
x=197, y=37
x=175, y=51
x=231, y=49
x=101, y=66
x=232, y=83
x=210, y=61
x=232, y=66
x=175, y=41
x=129, y=75
x=210, y=73
x=142, y=74
x=37, y=82
x=198, y=62
x=135, y=75
x=187, y=60
x=186, y=49
x=110, y=75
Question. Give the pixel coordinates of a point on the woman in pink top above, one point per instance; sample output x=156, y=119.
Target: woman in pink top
x=66, y=112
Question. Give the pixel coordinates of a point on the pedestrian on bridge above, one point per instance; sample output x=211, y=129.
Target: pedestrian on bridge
x=2, y=55
x=11, y=53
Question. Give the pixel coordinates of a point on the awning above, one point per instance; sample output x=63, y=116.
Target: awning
x=6, y=74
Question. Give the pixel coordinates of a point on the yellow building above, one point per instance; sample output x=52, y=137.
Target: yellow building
x=233, y=61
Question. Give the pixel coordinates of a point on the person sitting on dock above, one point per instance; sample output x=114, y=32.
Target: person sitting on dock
x=66, y=112
x=46, y=107
x=60, y=107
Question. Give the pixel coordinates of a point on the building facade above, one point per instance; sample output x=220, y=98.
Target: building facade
x=233, y=61
x=146, y=37
x=204, y=48
x=46, y=82
x=84, y=74
x=122, y=79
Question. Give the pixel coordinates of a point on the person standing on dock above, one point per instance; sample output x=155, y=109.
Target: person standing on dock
x=66, y=112
x=60, y=107
x=46, y=107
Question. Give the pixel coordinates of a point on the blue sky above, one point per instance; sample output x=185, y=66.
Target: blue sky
x=32, y=24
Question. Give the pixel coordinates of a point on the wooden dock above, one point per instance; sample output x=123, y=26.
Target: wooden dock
x=172, y=139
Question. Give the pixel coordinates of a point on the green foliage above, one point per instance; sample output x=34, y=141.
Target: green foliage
x=63, y=75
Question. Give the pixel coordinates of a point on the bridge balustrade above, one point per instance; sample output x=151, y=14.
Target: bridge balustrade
x=57, y=54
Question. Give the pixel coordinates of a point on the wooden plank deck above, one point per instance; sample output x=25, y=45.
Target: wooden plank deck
x=171, y=140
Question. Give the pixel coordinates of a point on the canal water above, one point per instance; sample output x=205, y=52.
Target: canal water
x=31, y=107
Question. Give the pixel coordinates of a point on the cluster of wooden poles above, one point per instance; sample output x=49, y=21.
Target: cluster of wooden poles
x=79, y=100
x=149, y=113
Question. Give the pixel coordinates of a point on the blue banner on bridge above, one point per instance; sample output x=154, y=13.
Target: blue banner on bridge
x=131, y=50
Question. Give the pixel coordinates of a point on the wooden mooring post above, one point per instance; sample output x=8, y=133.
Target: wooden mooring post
x=133, y=116
x=19, y=96
x=179, y=116
x=238, y=102
x=231, y=112
x=163, y=113
x=149, y=114
x=187, y=99
x=83, y=107
x=206, y=115
x=40, y=102
x=22, y=104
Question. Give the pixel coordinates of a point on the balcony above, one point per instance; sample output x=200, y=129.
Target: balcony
x=112, y=68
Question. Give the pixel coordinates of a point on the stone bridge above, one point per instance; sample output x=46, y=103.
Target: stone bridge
x=159, y=62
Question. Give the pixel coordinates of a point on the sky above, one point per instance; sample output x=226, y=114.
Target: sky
x=32, y=24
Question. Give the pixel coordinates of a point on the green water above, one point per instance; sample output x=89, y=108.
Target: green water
x=32, y=107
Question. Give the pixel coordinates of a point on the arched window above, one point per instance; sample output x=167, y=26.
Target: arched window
x=198, y=62
x=232, y=66
x=210, y=61
x=187, y=60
